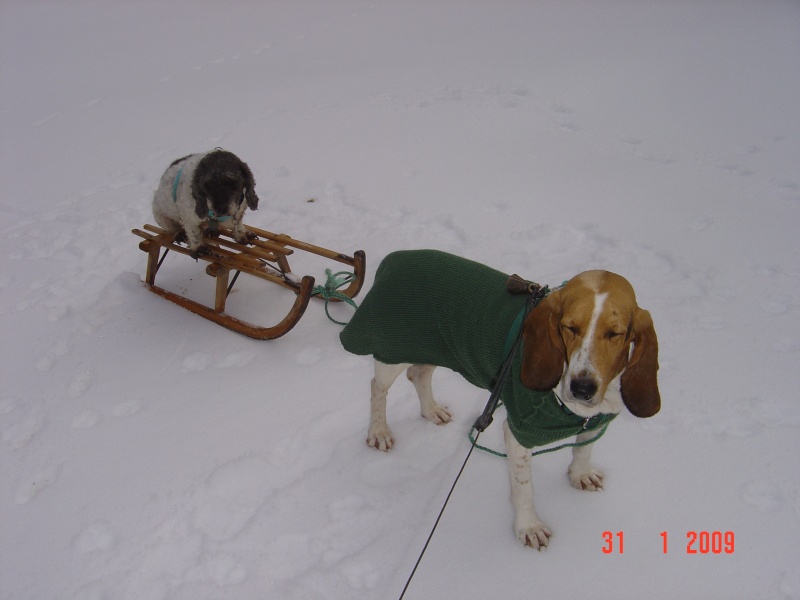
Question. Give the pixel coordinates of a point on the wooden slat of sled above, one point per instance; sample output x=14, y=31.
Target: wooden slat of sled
x=358, y=261
x=236, y=261
x=227, y=255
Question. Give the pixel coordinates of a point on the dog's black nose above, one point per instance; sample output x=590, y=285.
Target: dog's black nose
x=583, y=388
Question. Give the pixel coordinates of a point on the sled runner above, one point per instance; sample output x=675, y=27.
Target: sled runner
x=266, y=258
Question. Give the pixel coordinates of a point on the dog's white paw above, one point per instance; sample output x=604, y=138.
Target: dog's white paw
x=590, y=480
x=380, y=438
x=532, y=533
x=438, y=415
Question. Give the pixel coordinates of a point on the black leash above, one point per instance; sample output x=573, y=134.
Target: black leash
x=537, y=294
x=438, y=518
x=515, y=285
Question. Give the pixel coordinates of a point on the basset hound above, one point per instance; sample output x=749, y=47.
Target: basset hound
x=587, y=349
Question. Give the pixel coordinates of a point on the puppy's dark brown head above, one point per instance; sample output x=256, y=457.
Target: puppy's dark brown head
x=221, y=183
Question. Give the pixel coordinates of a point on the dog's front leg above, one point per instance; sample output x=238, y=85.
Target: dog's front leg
x=194, y=229
x=527, y=526
x=582, y=475
x=379, y=435
x=239, y=233
x=194, y=238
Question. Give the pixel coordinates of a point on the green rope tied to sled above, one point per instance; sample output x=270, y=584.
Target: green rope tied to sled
x=329, y=291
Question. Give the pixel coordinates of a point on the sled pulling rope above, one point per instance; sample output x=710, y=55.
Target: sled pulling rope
x=267, y=258
x=330, y=291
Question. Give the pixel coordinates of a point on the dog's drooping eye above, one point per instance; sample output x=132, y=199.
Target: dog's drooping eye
x=613, y=335
x=571, y=331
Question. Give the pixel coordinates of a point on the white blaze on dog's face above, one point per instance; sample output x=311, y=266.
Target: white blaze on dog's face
x=595, y=329
x=591, y=342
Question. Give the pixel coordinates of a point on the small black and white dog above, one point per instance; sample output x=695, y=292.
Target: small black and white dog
x=202, y=192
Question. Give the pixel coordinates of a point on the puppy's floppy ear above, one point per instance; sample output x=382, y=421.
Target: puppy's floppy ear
x=249, y=187
x=200, y=194
x=544, y=355
x=200, y=188
x=639, y=383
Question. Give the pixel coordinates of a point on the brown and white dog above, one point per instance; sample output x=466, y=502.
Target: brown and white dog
x=592, y=344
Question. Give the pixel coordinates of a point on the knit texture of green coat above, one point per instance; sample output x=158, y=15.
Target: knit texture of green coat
x=430, y=307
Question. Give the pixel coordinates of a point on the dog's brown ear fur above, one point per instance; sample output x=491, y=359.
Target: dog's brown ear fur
x=544, y=355
x=639, y=382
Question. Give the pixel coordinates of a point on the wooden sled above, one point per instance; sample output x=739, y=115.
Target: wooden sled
x=267, y=258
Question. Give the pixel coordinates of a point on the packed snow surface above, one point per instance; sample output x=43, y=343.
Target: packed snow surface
x=148, y=454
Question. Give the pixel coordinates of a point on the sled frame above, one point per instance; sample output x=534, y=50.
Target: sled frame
x=267, y=258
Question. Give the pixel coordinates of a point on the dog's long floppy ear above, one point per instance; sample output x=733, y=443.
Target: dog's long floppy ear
x=200, y=202
x=544, y=356
x=639, y=383
x=202, y=172
x=249, y=187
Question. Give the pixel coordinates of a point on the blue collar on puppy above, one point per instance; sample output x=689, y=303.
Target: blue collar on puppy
x=214, y=221
x=213, y=216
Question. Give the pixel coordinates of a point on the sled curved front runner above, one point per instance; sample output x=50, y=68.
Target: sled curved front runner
x=266, y=258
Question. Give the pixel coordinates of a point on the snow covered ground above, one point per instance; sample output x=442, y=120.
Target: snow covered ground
x=148, y=454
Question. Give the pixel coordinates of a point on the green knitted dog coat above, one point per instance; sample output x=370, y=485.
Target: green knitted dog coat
x=433, y=308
